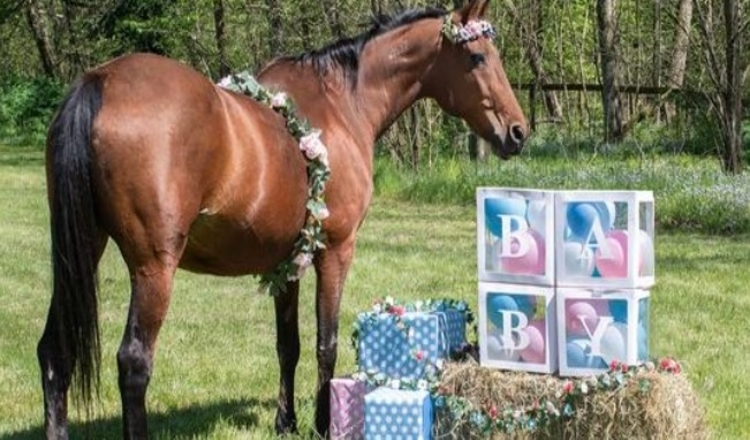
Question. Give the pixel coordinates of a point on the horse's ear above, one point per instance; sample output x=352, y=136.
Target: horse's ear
x=473, y=10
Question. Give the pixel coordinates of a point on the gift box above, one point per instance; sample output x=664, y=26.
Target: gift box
x=514, y=227
x=517, y=327
x=597, y=327
x=604, y=239
x=398, y=414
x=348, y=408
x=408, y=345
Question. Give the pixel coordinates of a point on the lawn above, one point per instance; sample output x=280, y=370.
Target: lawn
x=216, y=372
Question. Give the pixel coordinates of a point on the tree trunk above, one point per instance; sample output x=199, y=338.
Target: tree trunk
x=221, y=38
x=732, y=154
x=39, y=30
x=276, y=42
x=331, y=10
x=679, y=50
x=608, y=42
x=721, y=44
x=533, y=47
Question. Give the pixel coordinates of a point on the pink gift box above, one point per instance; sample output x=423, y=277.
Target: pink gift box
x=348, y=408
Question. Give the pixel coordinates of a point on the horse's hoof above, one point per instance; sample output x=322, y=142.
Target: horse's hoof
x=286, y=424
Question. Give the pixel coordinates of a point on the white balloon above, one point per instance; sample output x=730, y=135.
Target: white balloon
x=614, y=344
x=646, y=248
x=536, y=216
x=496, y=350
x=612, y=211
x=578, y=259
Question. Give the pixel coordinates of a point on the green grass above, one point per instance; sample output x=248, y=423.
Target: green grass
x=216, y=372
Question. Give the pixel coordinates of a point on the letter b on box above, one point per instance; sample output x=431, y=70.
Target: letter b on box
x=515, y=236
x=517, y=327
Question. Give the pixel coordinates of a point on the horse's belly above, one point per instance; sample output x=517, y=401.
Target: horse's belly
x=219, y=246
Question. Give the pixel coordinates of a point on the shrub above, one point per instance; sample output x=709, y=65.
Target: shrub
x=26, y=108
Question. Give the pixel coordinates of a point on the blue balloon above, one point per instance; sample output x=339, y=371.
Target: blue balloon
x=618, y=309
x=580, y=218
x=643, y=350
x=507, y=206
x=496, y=304
x=606, y=215
x=526, y=304
x=643, y=311
x=578, y=354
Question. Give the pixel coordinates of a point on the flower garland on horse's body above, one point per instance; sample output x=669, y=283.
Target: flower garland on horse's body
x=311, y=237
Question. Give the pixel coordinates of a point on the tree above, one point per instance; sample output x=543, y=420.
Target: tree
x=533, y=46
x=680, y=48
x=276, y=42
x=721, y=38
x=40, y=30
x=606, y=19
x=221, y=38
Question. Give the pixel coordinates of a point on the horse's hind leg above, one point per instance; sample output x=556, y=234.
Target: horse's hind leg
x=55, y=364
x=151, y=284
x=287, y=349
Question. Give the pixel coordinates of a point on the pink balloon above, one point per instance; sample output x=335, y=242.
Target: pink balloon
x=530, y=263
x=534, y=353
x=616, y=265
x=577, y=311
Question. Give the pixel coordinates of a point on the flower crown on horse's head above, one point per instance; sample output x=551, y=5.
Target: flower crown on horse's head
x=472, y=30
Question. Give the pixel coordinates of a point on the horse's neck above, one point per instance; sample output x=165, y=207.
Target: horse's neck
x=391, y=69
x=389, y=81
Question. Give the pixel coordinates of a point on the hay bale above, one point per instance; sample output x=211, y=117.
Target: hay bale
x=649, y=404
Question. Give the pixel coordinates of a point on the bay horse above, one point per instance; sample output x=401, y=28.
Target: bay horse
x=180, y=173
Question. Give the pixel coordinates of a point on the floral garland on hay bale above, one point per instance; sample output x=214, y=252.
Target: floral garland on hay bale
x=652, y=401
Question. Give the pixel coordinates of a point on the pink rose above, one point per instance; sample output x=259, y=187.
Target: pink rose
x=278, y=100
x=225, y=82
x=311, y=145
x=568, y=387
x=323, y=213
x=303, y=259
x=493, y=412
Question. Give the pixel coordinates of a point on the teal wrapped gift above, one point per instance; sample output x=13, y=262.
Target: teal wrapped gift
x=407, y=342
x=398, y=414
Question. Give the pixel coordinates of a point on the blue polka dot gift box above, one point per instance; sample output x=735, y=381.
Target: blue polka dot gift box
x=392, y=414
x=408, y=341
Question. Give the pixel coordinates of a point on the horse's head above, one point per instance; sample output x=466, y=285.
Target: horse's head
x=468, y=80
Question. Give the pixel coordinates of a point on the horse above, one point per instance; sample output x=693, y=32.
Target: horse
x=182, y=174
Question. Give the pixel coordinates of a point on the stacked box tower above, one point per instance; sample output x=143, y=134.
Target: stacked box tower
x=515, y=255
x=564, y=278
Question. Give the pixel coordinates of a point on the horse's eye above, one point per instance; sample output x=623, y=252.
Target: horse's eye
x=477, y=59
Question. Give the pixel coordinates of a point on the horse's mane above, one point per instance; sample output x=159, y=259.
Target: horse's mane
x=344, y=53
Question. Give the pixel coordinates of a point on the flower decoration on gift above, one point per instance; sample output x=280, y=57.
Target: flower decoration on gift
x=470, y=31
x=490, y=418
x=429, y=382
x=311, y=236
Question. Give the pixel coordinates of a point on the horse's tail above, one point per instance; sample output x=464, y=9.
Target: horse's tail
x=74, y=231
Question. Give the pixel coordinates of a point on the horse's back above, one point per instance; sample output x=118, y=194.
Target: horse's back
x=184, y=169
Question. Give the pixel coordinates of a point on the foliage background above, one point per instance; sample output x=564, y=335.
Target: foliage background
x=216, y=36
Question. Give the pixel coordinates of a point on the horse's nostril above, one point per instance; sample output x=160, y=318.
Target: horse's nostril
x=517, y=133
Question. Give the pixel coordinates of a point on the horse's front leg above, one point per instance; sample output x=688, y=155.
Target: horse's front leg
x=331, y=266
x=287, y=349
